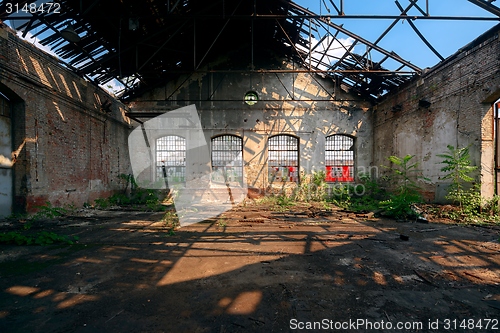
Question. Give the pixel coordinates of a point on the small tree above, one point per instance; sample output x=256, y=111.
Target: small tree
x=407, y=193
x=458, y=167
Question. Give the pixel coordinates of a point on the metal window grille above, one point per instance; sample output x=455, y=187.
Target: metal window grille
x=283, y=158
x=171, y=154
x=227, y=159
x=339, y=158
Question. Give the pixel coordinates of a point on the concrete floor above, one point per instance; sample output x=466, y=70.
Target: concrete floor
x=251, y=270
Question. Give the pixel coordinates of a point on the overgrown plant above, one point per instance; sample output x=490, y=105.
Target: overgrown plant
x=40, y=238
x=48, y=211
x=130, y=181
x=463, y=191
x=342, y=195
x=367, y=195
x=406, y=194
x=312, y=187
x=371, y=187
x=137, y=196
x=458, y=170
x=171, y=219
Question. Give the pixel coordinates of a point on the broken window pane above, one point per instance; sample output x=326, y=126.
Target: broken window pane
x=171, y=158
x=227, y=159
x=339, y=158
x=283, y=158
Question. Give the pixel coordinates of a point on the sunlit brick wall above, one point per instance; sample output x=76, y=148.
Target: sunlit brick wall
x=68, y=149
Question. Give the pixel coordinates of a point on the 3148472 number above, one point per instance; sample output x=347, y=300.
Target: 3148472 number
x=471, y=324
x=33, y=8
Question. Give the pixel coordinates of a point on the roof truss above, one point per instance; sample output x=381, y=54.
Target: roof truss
x=143, y=44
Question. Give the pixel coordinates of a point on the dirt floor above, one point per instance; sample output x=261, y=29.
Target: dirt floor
x=253, y=270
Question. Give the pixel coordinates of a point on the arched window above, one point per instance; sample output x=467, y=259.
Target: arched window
x=171, y=158
x=227, y=159
x=339, y=158
x=283, y=158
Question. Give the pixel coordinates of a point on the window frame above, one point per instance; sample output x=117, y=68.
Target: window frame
x=240, y=174
x=345, y=170
x=279, y=171
x=159, y=174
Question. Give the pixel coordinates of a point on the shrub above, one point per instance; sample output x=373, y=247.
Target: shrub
x=312, y=187
x=458, y=167
x=406, y=194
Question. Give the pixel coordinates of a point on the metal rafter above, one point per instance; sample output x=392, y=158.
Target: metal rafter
x=426, y=42
x=157, y=50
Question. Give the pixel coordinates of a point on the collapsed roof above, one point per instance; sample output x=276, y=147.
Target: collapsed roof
x=144, y=44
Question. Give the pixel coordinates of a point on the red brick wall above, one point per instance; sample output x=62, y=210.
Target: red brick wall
x=68, y=150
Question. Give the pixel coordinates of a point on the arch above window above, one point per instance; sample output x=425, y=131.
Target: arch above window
x=339, y=158
x=283, y=158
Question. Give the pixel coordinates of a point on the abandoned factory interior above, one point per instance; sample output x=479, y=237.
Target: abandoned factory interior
x=279, y=92
x=249, y=166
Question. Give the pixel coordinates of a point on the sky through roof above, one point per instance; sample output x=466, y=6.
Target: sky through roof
x=422, y=42
x=446, y=36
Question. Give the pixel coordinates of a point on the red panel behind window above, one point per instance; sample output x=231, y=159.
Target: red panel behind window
x=338, y=174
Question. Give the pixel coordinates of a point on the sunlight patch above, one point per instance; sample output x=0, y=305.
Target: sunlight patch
x=245, y=303
x=21, y=290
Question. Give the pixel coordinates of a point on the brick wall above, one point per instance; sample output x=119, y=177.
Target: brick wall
x=67, y=148
x=461, y=92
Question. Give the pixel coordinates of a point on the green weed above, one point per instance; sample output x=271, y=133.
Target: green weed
x=458, y=169
x=312, y=187
x=472, y=207
x=407, y=191
x=48, y=212
x=171, y=219
x=40, y=238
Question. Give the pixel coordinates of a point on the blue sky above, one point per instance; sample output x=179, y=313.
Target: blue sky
x=445, y=36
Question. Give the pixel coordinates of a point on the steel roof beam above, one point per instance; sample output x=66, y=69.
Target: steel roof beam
x=403, y=12
x=486, y=5
x=426, y=42
x=364, y=41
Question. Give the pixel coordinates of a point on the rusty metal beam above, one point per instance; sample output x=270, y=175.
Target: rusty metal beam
x=362, y=40
x=320, y=61
x=296, y=71
x=344, y=55
x=217, y=37
x=292, y=43
x=327, y=18
x=162, y=46
x=336, y=8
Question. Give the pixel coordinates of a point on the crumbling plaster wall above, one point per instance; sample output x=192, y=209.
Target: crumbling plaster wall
x=461, y=92
x=298, y=104
x=67, y=148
